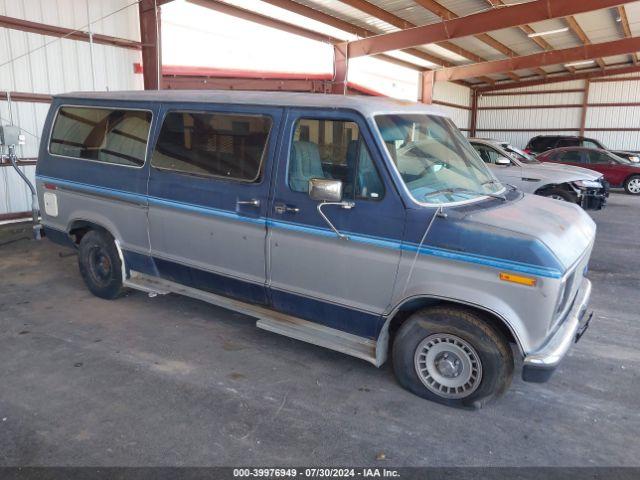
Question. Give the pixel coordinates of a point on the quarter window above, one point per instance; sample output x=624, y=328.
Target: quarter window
x=101, y=134
x=213, y=144
x=333, y=149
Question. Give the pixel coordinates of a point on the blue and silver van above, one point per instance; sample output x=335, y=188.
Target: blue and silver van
x=366, y=225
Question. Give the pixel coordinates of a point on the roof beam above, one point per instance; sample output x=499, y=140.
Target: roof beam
x=555, y=57
x=446, y=14
x=579, y=32
x=62, y=32
x=527, y=30
x=402, y=24
x=562, y=78
x=350, y=28
x=626, y=29
x=252, y=16
x=512, y=16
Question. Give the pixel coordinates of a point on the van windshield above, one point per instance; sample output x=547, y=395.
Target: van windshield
x=435, y=161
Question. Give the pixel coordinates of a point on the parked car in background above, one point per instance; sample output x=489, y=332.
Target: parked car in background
x=571, y=184
x=616, y=170
x=542, y=143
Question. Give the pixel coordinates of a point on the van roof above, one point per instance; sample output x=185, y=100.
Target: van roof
x=365, y=105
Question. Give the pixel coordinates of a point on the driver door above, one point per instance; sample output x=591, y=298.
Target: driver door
x=313, y=274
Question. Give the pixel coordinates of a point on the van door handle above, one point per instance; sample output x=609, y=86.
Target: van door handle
x=254, y=202
x=281, y=208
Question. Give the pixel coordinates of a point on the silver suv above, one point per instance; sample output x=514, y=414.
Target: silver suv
x=568, y=183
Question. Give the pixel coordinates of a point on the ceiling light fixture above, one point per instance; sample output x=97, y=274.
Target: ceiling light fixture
x=577, y=64
x=548, y=32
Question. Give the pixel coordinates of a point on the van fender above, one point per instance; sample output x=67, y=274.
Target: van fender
x=108, y=226
x=93, y=218
x=382, y=344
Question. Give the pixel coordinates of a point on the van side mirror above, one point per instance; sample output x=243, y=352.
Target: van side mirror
x=325, y=190
x=504, y=161
x=329, y=192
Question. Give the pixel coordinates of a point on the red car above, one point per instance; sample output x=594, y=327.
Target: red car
x=619, y=172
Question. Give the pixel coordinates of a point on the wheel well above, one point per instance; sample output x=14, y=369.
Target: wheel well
x=629, y=177
x=554, y=186
x=80, y=228
x=412, y=306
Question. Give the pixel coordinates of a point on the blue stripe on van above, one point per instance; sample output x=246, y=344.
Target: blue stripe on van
x=381, y=242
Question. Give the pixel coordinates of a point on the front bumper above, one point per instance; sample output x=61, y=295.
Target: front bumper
x=594, y=199
x=540, y=365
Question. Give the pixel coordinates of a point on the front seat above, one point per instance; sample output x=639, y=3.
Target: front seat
x=305, y=165
x=368, y=180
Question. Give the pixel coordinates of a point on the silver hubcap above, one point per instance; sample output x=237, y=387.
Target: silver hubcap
x=634, y=185
x=557, y=197
x=448, y=366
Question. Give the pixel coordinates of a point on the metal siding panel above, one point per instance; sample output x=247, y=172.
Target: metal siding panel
x=452, y=93
x=58, y=65
x=459, y=116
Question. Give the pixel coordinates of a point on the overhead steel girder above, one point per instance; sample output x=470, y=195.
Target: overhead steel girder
x=512, y=16
x=592, y=74
x=71, y=34
x=555, y=57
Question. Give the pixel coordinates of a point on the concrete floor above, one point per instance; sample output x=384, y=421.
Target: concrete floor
x=173, y=381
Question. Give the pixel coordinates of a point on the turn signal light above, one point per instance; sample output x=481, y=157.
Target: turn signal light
x=510, y=277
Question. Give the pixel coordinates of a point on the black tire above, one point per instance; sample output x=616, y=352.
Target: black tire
x=559, y=194
x=630, y=185
x=100, y=265
x=487, y=345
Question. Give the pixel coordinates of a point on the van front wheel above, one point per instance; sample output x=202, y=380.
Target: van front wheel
x=451, y=356
x=100, y=264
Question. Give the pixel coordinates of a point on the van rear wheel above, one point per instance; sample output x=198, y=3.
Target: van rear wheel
x=100, y=264
x=450, y=355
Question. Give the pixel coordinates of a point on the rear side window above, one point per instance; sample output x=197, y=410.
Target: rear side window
x=540, y=144
x=571, y=156
x=213, y=144
x=596, y=157
x=101, y=134
x=568, y=142
x=591, y=144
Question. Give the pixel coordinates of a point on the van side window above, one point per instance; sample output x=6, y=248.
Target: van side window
x=333, y=149
x=101, y=134
x=213, y=144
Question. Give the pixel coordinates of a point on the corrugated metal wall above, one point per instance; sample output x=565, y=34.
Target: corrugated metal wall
x=517, y=125
x=455, y=94
x=35, y=63
x=615, y=117
x=513, y=123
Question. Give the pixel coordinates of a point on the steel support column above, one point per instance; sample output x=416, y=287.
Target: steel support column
x=427, y=79
x=585, y=106
x=340, y=69
x=150, y=38
x=474, y=113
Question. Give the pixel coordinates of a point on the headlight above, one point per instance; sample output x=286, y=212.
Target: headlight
x=587, y=184
x=634, y=159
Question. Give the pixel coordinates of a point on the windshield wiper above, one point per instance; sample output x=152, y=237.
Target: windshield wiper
x=491, y=182
x=464, y=190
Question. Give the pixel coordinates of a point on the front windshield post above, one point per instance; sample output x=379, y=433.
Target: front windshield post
x=435, y=161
